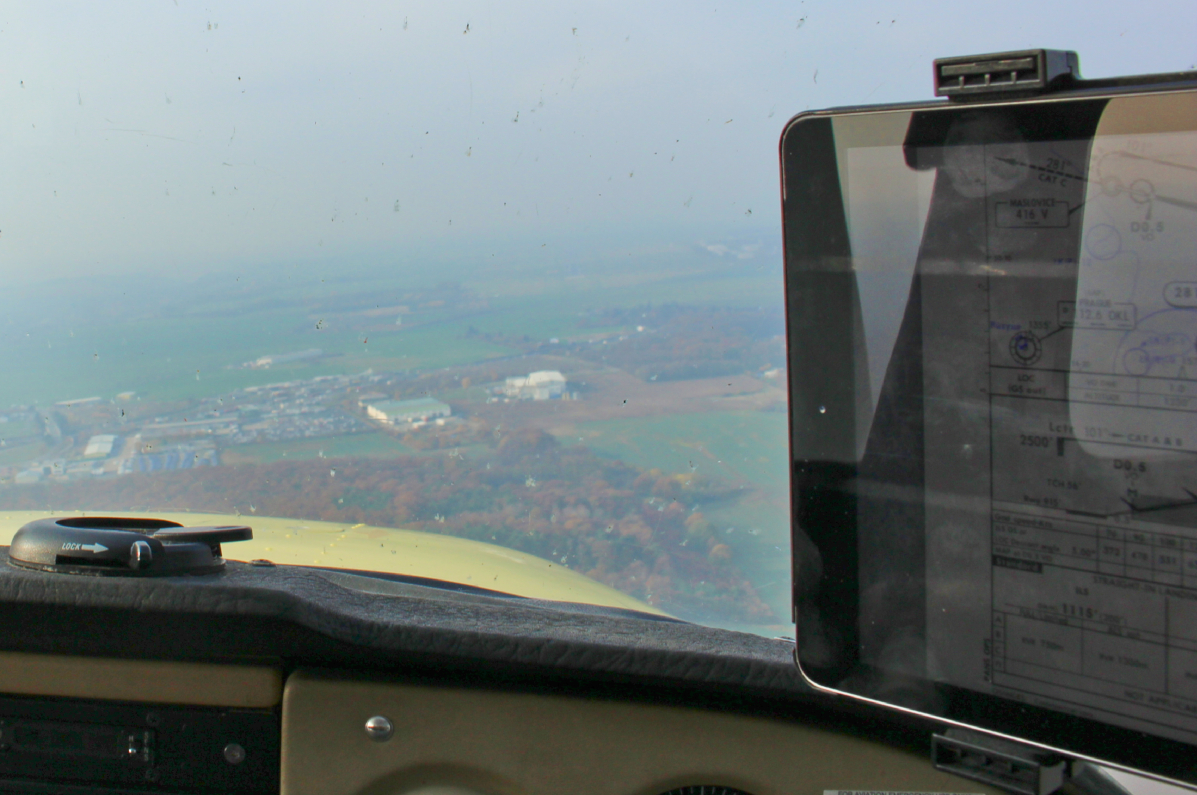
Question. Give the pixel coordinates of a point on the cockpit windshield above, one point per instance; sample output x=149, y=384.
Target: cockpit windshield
x=488, y=294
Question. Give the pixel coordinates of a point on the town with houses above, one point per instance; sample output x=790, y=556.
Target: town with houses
x=92, y=437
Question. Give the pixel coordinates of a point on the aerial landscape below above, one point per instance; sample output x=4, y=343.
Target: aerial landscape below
x=640, y=444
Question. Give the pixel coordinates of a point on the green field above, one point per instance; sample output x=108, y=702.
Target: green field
x=21, y=454
x=189, y=358
x=185, y=350
x=17, y=429
x=374, y=444
x=740, y=446
x=365, y=445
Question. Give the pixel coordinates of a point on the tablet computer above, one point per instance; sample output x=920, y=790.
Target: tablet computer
x=992, y=330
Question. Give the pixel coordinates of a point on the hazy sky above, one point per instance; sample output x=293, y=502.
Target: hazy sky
x=174, y=134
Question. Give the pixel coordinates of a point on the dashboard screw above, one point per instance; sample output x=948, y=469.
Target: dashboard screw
x=234, y=754
x=379, y=728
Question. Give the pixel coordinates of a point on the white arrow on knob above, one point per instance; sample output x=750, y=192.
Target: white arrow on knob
x=97, y=548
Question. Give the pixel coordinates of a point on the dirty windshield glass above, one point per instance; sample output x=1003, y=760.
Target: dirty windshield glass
x=485, y=294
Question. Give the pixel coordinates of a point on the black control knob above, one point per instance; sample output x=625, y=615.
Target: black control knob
x=116, y=546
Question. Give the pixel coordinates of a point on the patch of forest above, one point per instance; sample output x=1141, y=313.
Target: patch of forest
x=680, y=341
x=638, y=531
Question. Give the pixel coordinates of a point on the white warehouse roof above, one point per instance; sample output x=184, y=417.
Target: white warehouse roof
x=99, y=446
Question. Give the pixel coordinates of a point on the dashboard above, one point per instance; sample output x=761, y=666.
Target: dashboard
x=292, y=680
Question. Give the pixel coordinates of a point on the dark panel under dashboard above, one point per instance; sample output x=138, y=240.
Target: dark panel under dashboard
x=47, y=744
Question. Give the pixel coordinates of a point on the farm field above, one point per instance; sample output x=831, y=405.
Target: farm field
x=359, y=445
x=740, y=446
x=14, y=454
x=170, y=349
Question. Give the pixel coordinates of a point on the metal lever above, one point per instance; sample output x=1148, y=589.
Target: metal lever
x=209, y=535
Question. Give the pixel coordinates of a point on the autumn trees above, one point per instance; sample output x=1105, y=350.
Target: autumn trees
x=638, y=531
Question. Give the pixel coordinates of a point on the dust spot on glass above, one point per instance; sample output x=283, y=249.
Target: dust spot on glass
x=801, y=22
x=575, y=30
x=332, y=473
x=467, y=29
x=405, y=23
x=469, y=150
x=517, y=117
x=530, y=482
x=686, y=203
x=748, y=211
x=396, y=207
x=816, y=78
x=822, y=409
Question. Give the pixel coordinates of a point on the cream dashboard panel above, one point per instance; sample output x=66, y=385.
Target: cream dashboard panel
x=523, y=744
x=146, y=681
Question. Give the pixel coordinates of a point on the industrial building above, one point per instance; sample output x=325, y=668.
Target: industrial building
x=397, y=412
x=541, y=385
